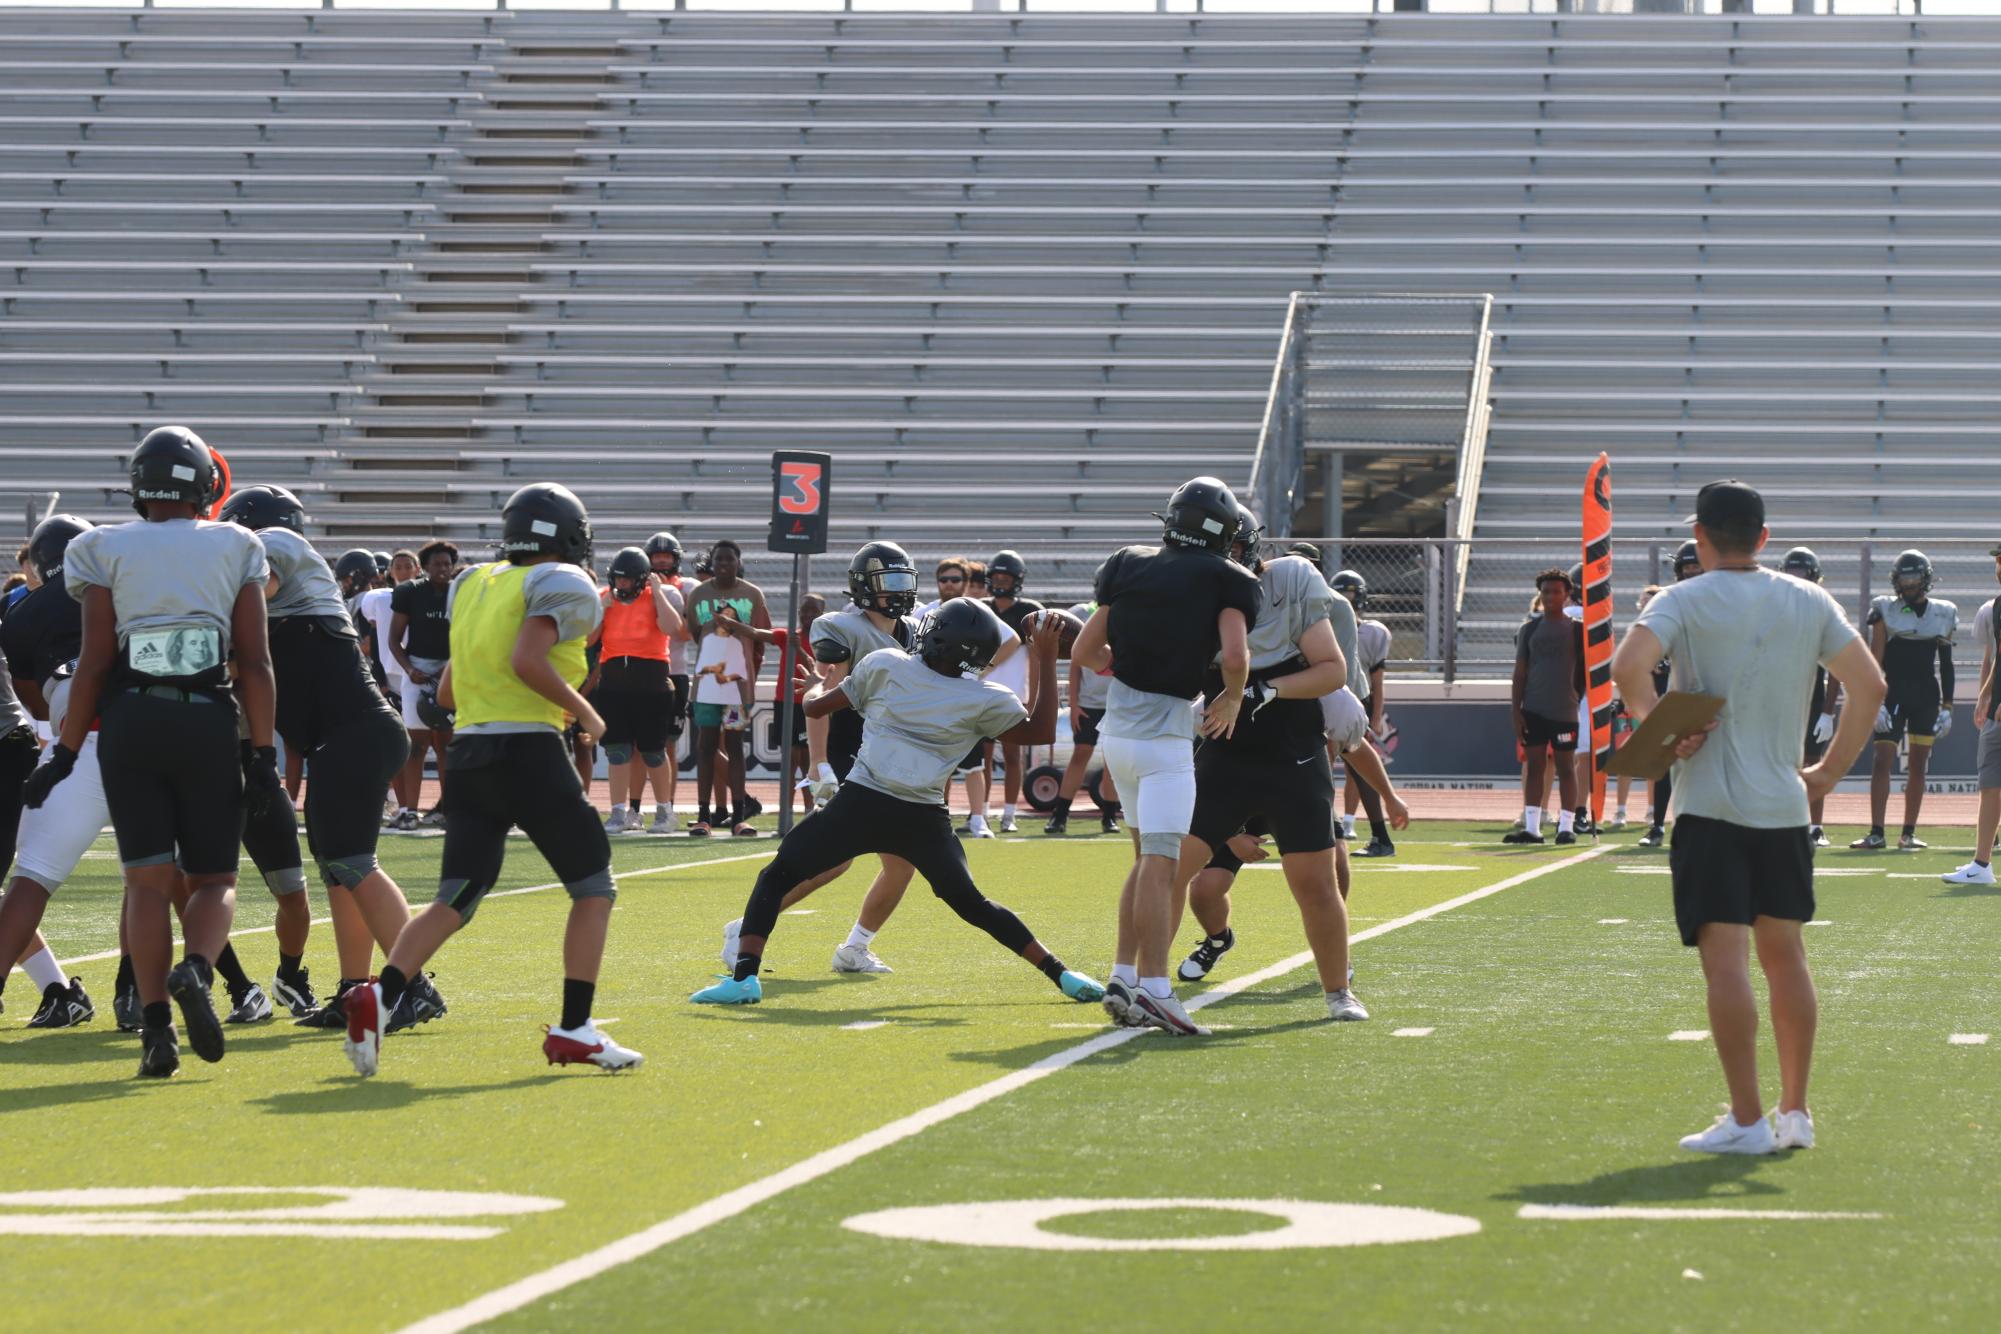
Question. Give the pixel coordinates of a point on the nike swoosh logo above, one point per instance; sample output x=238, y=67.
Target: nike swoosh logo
x=1308, y=760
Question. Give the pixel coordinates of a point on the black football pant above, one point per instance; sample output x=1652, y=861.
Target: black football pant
x=861, y=820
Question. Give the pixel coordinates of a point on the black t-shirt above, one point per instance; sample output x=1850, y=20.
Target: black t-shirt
x=42, y=632
x=1163, y=604
x=1020, y=610
x=430, y=630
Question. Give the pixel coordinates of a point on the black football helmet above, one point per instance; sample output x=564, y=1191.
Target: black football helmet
x=1911, y=576
x=1576, y=577
x=545, y=519
x=1251, y=539
x=1353, y=587
x=51, y=539
x=172, y=463
x=665, y=544
x=260, y=507
x=355, y=570
x=1010, y=564
x=1308, y=552
x=1687, y=563
x=883, y=579
x=629, y=564
x=382, y=562
x=1203, y=513
x=1801, y=563
x=963, y=635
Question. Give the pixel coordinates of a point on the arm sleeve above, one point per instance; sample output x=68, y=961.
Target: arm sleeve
x=829, y=644
x=566, y=595
x=83, y=567
x=1875, y=611
x=1945, y=681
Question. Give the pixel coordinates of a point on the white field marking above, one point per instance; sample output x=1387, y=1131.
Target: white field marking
x=1819, y=874
x=102, y=955
x=526, y=1291
x=1413, y=1032
x=56, y=1225
x=1968, y=1039
x=1912, y=875
x=1372, y=865
x=1018, y=1223
x=1820, y=921
x=800, y=912
x=1592, y=1212
x=864, y=1025
x=1612, y=921
x=1689, y=1035
x=353, y=1213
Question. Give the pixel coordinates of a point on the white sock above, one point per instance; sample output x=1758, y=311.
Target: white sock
x=1127, y=973
x=1157, y=987
x=1532, y=819
x=1007, y=811
x=976, y=821
x=1565, y=822
x=859, y=937
x=1619, y=814
x=1348, y=825
x=43, y=970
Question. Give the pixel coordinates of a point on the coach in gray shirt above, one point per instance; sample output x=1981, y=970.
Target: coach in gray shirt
x=1742, y=856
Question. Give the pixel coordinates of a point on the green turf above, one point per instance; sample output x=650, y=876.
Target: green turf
x=1548, y=1078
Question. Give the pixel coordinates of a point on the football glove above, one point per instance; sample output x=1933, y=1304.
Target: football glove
x=1883, y=719
x=1257, y=694
x=1943, y=725
x=824, y=784
x=261, y=784
x=51, y=771
x=1823, y=729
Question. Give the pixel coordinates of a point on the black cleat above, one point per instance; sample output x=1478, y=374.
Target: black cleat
x=190, y=991
x=1378, y=847
x=419, y=1004
x=1653, y=838
x=1564, y=838
x=1109, y=823
x=333, y=1014
x=1204, y=956
x=126, y=1009
x=1059, y=824
x=1522, y=836
x=295, y=992
x=63, y=1004
x=752, y=808
x=159, y=1053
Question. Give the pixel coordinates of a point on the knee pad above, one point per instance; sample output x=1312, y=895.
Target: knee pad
x=618, y=752
x=653, y=759
x=1160, y=845
x=286, y=880
x=348, y=872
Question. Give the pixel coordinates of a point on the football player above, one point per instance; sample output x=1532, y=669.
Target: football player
x=1372, y=653
x=664, y=553
x=1164, y=615
x=921, y=714
x=1910, y=633
x=1801, y=563
x=518, y=627
x=166, y=601
x=375, y=609
x=1685, y=564
x=420, y=641
x=635, y=690
x=1007, y=575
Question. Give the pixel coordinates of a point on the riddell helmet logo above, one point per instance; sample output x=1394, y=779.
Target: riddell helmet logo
x=143, y=494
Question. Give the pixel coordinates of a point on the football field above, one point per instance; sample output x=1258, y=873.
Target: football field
x=1495, y=1149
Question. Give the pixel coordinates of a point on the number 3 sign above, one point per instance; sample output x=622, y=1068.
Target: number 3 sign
x=799, y=485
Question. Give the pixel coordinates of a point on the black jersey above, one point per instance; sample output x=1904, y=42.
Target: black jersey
x=430, y=632
x=42, y=632
x=1163, y=603
x=1018, y=611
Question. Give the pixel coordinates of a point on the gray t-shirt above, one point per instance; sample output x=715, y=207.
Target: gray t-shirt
x=306, y=586
x=1091, y=686
x=918, y=724
x=848, y=635
x=1553, y=650
x=171, y=583
x=1755, y=638
x=1372, y=645
x=1296, y=599
x=1341, y=613
x=559, y=591
x=12, y=715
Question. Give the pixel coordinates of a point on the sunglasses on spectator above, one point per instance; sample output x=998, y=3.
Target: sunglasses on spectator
x=951, y=578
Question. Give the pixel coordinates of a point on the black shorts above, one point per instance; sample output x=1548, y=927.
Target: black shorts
x=677, y=704
x=18, y=757
x=173, y=778
x=1086, y=731
x=1558, y=734
x=496, y=781
x=976, y=758
x=1914, y=707
x=346, y=780
x=1295, y=797
x=1223, y=859
x=635, y=696
x=1732, y=873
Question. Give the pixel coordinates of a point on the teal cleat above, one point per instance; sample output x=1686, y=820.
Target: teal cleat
x=1080, y=988
x=729, y=991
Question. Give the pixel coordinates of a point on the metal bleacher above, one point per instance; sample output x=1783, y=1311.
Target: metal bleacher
x=1019, y=272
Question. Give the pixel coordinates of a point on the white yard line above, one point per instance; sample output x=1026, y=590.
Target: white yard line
x=1968, y=1039
x=1586, y=1212
x=1689, y=1035
x=593, y=1264
x=102, y=955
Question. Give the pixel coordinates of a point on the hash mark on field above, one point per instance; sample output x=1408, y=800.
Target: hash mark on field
x=1613, y=921
x=1968, y=1039
x=1689, y=1035
x=1580, y=1212
x=1413, y=1032
x=800, y=912
x=864, y=1025
x=1820, y=921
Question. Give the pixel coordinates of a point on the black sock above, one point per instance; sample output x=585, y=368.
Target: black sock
x=288, y=964
x=1378, y=830
x=633, y=802
x=1877, y=830
x=393, y=985
x=1052, y=968
x=231, y=968
x=577, y=998
x=125, y=978
x=747, y=965
x=1979, y=863
x=159, y=1015
x=1909, y=830
x=1062, y=810
x=348, y=984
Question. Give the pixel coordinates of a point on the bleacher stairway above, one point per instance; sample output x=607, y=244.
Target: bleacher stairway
x=1019, y=272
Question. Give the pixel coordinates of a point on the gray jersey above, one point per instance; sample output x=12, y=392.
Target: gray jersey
x=1341, y=613
x=1935, y=625
x=1091, y=686
x=1296, y=599
x=918, y=724
x=848, y=635
x=557, y=590
x=1754, y=637
x=173, y=585
x=306, y=586
x=12, y=715
x=1372, y=646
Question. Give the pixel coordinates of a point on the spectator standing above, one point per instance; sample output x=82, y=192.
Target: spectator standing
x=1548, y=681
x=730, y=621
x=1986, y=710
x=1007, y=574
x=420, y=639
x=1087, y=710
x=373, y=607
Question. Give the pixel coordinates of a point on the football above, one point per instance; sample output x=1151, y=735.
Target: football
x=1072, y=627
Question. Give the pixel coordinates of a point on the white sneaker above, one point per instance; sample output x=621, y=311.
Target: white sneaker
x=1165, y=1013
x=1119, y=1005
x=1792, y=1130
x=663, y=820
x=1007, y=825
x=858, y=959
x=1726, y=1136
x=635, y=823
x=1342, y=1006
x=730, y=933
x=1973, y=873
x=587, y=1046
x=615, y=822
x=983, y=831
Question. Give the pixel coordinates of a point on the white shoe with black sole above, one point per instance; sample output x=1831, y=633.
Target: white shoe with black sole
x=1166, y=1014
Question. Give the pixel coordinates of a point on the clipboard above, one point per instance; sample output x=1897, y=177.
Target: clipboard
x=1649, y=751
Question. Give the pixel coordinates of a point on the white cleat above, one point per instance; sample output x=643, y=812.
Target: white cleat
x=615, y=822
x=1792, y=1130
x=1007, y=825
x=663, y=821
x=1165, y=1013
x=1726, y=1136
x=858, y=959
x=587, y=1046
x=363, y=1008
x=1118, y=1004
x=730, y=933
x=1973, y=873
x=1343, y=1007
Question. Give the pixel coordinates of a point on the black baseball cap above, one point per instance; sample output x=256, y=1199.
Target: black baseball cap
x=1729, y=504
